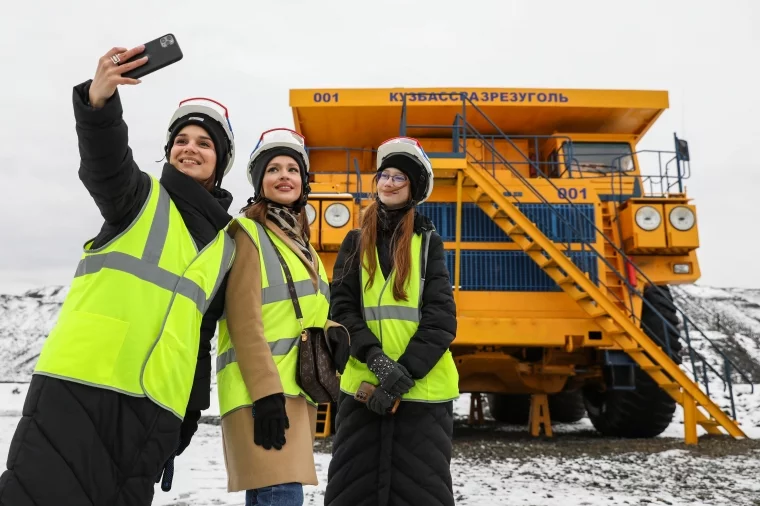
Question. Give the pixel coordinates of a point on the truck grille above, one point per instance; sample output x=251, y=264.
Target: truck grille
x=478, y=227
x=511, y=271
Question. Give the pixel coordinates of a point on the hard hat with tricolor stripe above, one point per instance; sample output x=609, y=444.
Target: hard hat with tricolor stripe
x=274, y=142
x=406, y=154
x=213, y=117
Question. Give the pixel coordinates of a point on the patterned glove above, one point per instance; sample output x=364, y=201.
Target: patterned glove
x=168, y=474
x=394, y=377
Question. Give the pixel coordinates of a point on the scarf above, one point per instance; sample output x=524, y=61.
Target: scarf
x=204, y=212
x=287, y=220
x=388, y=219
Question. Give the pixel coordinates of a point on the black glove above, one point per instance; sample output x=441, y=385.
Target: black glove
x=338, y=344
x=187, y=430
x=270, y=421
x=393, y=376
x=380, y=401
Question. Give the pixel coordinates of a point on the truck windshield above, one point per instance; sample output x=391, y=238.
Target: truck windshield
x=600, y=157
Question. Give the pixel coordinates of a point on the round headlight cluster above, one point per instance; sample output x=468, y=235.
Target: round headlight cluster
x=337, y=215
x=682, y=218
x=311, y=214
x=648, y=218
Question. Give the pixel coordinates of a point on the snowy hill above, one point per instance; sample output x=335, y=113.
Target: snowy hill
x=729, y=317
x=25, y=321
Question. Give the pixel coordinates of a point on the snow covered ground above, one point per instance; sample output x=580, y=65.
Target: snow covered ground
x=493, y=464
x=505, y=467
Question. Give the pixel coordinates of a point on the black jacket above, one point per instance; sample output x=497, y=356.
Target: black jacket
x=438, y=324
x=400, y=459
x=78, y=444
x=119, y=189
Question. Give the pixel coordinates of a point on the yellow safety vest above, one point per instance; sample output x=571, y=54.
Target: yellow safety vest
x=394, y=323
x=131, y=320
x=281, y=328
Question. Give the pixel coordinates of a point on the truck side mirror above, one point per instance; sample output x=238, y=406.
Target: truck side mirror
x=682, y=149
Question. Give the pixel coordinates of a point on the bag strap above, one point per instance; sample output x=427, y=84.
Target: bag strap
x=289, y=279
x=423, y=261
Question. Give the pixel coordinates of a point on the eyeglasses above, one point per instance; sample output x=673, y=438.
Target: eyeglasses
x=285, y=135
x=398, y=178
x=211, y=104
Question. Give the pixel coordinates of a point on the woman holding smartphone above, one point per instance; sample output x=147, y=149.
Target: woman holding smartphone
x=125, y=372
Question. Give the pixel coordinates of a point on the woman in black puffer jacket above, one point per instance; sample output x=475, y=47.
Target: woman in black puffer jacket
x=391, y=290
x=83, y=439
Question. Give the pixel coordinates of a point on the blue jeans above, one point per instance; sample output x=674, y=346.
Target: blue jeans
x=287, y=494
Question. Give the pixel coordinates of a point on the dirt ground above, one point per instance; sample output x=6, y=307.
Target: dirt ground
x=498, y=441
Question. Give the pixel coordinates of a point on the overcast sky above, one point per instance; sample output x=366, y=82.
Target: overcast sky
x=249, y=55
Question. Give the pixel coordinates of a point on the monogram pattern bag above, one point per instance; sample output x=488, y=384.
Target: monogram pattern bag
x=316, y=373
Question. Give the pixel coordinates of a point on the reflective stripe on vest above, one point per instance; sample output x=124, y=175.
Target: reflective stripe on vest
x=131, y=320
x=394, y=323
x=281, y=328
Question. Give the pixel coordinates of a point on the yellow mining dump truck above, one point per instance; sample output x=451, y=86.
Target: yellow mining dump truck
x=561, y=239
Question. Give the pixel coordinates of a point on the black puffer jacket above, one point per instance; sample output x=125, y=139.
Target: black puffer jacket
x=81, y=445
x=438, y=324
x=402, y=459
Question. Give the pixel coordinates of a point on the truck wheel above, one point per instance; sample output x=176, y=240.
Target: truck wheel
x=567, y=407
x=646, y=411
x=564, y=407
x=512, y=408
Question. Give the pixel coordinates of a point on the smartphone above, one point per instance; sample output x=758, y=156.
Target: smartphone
x=364, y=392
x=161, y=53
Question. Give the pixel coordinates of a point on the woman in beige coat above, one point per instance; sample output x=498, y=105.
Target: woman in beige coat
x=270, y=454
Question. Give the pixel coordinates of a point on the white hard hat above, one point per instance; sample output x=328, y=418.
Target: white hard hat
x=411, y=148
x=214, y=118
x=279, y=139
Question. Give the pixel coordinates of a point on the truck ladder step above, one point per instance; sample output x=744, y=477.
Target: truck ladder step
x=597, y=301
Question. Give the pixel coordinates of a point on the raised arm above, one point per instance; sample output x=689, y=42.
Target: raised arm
x=107, y=168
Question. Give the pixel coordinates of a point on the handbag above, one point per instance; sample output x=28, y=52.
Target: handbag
x=316, y=373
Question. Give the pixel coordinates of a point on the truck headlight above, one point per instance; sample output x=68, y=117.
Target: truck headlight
x=682, y=268
x=311, y=214
x=682, y=218
x=337, y=215
x=648, y=218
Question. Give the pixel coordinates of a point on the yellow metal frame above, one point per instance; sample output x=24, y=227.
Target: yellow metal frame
x=497, y=331
x=609, y=316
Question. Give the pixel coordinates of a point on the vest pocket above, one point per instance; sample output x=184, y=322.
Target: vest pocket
x=86, y=346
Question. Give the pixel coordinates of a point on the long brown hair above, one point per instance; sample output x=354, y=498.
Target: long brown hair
x=257, y=211
x=400, y=246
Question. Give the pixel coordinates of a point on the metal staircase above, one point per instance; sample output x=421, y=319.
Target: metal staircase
x=609, y=300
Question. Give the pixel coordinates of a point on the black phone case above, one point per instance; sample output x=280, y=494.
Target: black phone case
x=161, y=52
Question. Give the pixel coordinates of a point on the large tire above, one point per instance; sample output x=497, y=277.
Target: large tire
x=646, y=411
x=567, y=407
x=564, y=407
x=512, y=409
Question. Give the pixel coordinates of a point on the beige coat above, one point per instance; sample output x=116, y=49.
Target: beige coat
x=250, y=466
